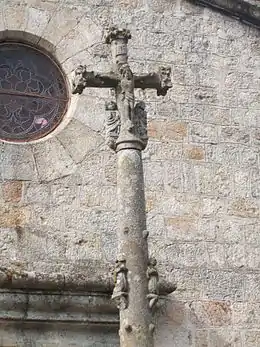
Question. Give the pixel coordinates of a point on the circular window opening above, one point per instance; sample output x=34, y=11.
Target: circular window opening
x=33, y=93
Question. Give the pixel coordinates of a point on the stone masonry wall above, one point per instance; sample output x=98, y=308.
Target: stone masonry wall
x=57, y=197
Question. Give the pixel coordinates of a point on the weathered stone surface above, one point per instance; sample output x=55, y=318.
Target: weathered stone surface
x=12, y=305
x=79, y=38
x=232, y=134
x=192, y=111
x=252, y=338
x=161, y=130
x=222, y=284
x=211, y=313
x=217, y=115
x=153, y=173
x=62, y=22
x=201, y=338
x=15, y=16
x=53, y=160
x=78, y=140
x=174, y=332
x=163, y=151
x=172, y=177
x=8, y=243
x=38, y=14
x=12, y=191
x=246, y=315
x=242, y=207
x=13, y=216
x=35, y=193
x=17, y=163
x=56, y=335
x=189, y=282
x=223, y=153
x=182, y=227
x=194, y=152
x=252, y=287
x=224, y=336
x=203, y=133
x=89, y=111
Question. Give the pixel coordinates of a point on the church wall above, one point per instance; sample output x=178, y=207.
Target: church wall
x=57, y=197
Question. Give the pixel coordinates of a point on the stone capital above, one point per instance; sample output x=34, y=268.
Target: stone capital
x=115, y=33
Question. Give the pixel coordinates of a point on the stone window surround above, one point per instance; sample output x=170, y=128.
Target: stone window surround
x=50, y=49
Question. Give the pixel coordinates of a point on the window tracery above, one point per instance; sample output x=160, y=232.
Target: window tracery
x=33, y=93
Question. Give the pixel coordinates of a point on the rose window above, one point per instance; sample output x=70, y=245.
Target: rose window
x=33, y=93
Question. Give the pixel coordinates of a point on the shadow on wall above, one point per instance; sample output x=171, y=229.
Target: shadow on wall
x=195, y=324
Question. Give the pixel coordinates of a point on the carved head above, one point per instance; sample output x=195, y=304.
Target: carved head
x=165, y=79
x=80, y=70
x=152, y=261
x=140, y=105
x=111, y=106
x=78, y=80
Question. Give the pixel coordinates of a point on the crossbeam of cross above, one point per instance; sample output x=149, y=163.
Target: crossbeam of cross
x=156, y=80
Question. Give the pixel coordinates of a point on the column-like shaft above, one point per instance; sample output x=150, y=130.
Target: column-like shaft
x=136, y=289
x=135, y=320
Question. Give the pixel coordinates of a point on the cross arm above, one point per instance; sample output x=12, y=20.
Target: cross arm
x=161, y=81
x=82, y=78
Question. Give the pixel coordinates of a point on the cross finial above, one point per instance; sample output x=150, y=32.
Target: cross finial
x=115, y=33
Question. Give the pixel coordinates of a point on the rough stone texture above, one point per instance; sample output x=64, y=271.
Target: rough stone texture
x=49, y=334
x=12, y=191
x=57, y=197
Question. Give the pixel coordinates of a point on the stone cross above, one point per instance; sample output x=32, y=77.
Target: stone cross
x=136, y=277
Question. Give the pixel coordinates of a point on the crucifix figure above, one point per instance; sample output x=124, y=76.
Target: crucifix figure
x=126, y=130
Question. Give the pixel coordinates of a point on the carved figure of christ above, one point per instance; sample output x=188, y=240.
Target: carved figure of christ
x=127, y=135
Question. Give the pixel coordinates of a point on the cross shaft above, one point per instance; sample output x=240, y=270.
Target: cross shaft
x=136, y=290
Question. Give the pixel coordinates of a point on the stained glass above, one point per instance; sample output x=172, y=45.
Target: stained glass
x=33, y=93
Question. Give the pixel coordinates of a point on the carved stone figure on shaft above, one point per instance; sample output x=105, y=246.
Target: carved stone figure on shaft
x=125, y=98
x=120, y=292
x=153, y=281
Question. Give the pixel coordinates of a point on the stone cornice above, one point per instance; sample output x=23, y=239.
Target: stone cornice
x=32, y=306
x=239, y=9
x=93, y=280
x=59, y=306
x=78, y=298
